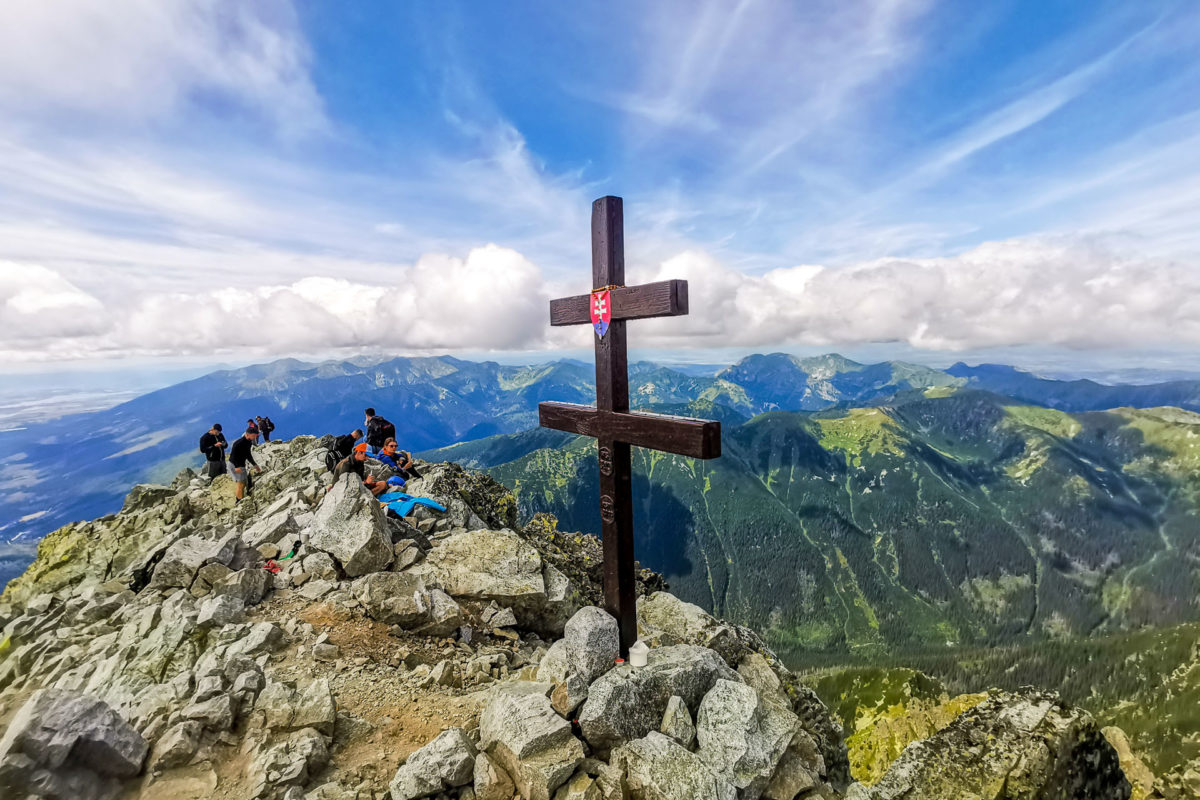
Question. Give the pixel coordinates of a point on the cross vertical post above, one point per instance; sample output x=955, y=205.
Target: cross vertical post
x=612, y=394
x=610, y=421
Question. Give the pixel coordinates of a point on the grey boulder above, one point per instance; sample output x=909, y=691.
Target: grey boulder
x=183, y=559
x=394, y=598
x=350, y=526
x=593, y=643
x=445, y=763
x=534, y=745
x=743, y=736
x=488, y=565
x=627, y=703
x=677, y=722
x=57, y=728
x=659, y=768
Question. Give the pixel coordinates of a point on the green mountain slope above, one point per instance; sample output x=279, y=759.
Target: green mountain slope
x=949, y=517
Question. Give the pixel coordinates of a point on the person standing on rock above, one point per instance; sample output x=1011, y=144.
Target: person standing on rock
x=265, y=426
x=241, y=456
x=379, y=430
x=213, y=444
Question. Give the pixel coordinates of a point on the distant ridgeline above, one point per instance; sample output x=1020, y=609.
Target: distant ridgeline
x=855, y=506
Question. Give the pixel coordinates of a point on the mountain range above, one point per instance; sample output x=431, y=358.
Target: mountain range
x=856, y=506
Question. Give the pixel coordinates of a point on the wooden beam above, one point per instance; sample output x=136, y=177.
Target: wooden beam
x=685, y=436
x=661, y=299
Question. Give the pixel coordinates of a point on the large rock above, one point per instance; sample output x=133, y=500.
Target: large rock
x=58, y=731
x=488, y=565
x=394, y=598
x=677, y=722
x=659, y=768
x=445, y=763
x=289, y=761
x=445, y=615
x=626, y=703
x=216, y=612
x=491, y=782
x=593, y=643
x=185, y=557
x=1023, y=745
x=743, y=736
x=271, y=528
x=800, y=769
x=535, y=746
x=664, y=620
x=287, y=708
x=248, y=585
x=350, y=526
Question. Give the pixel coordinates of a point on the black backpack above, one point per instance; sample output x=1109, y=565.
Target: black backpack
x=388, y=430
x=343, y=446
x=203, y=444
x=331, y=460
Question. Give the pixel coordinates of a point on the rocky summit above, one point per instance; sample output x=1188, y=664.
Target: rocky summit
x=302, y=644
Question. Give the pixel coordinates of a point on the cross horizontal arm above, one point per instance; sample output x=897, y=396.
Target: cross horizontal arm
x=685, y=436
x=661, y=299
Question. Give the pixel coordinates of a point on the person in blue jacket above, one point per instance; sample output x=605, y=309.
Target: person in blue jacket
x=400, y=460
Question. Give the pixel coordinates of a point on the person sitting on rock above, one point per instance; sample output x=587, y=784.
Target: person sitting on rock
x=400, y=460
x=213, y=444
x=343, y=446
x=241, y=456
x=356, y=464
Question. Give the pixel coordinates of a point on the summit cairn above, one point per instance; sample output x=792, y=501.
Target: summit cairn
x=607, y=308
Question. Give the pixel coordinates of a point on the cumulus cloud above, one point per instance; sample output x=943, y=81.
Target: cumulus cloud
x=1024, y=292
x=146, y=57
x=493, y=299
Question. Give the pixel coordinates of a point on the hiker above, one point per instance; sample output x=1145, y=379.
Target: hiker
x=241, y=456
x=212, y=445
x=400, y=460
x=343, y=446
x=356, y=463
x=378, y=431
x=265, y=426
x=252, y=427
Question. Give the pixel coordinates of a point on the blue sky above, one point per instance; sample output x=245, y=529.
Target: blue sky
x=234, y=181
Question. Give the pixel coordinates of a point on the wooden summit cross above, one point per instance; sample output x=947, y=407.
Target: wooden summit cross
x=611, y=422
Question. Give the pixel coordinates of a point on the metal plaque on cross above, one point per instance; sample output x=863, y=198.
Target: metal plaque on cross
x=607, y=308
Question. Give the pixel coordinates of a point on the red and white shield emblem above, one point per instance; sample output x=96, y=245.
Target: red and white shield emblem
x=601, y=311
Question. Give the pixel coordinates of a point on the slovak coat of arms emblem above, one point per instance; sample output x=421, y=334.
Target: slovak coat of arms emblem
x=601, y=311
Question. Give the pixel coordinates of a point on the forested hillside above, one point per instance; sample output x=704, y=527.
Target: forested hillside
x=948, y=516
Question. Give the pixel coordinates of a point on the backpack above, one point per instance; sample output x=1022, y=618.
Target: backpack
x=379, y=430
x=331, y=461
x=343, y=446
x=203, y=444
x=267, y=425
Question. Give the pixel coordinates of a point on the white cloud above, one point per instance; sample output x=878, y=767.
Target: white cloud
x=141, y=59
x=1067, y=293
x=493, y=299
